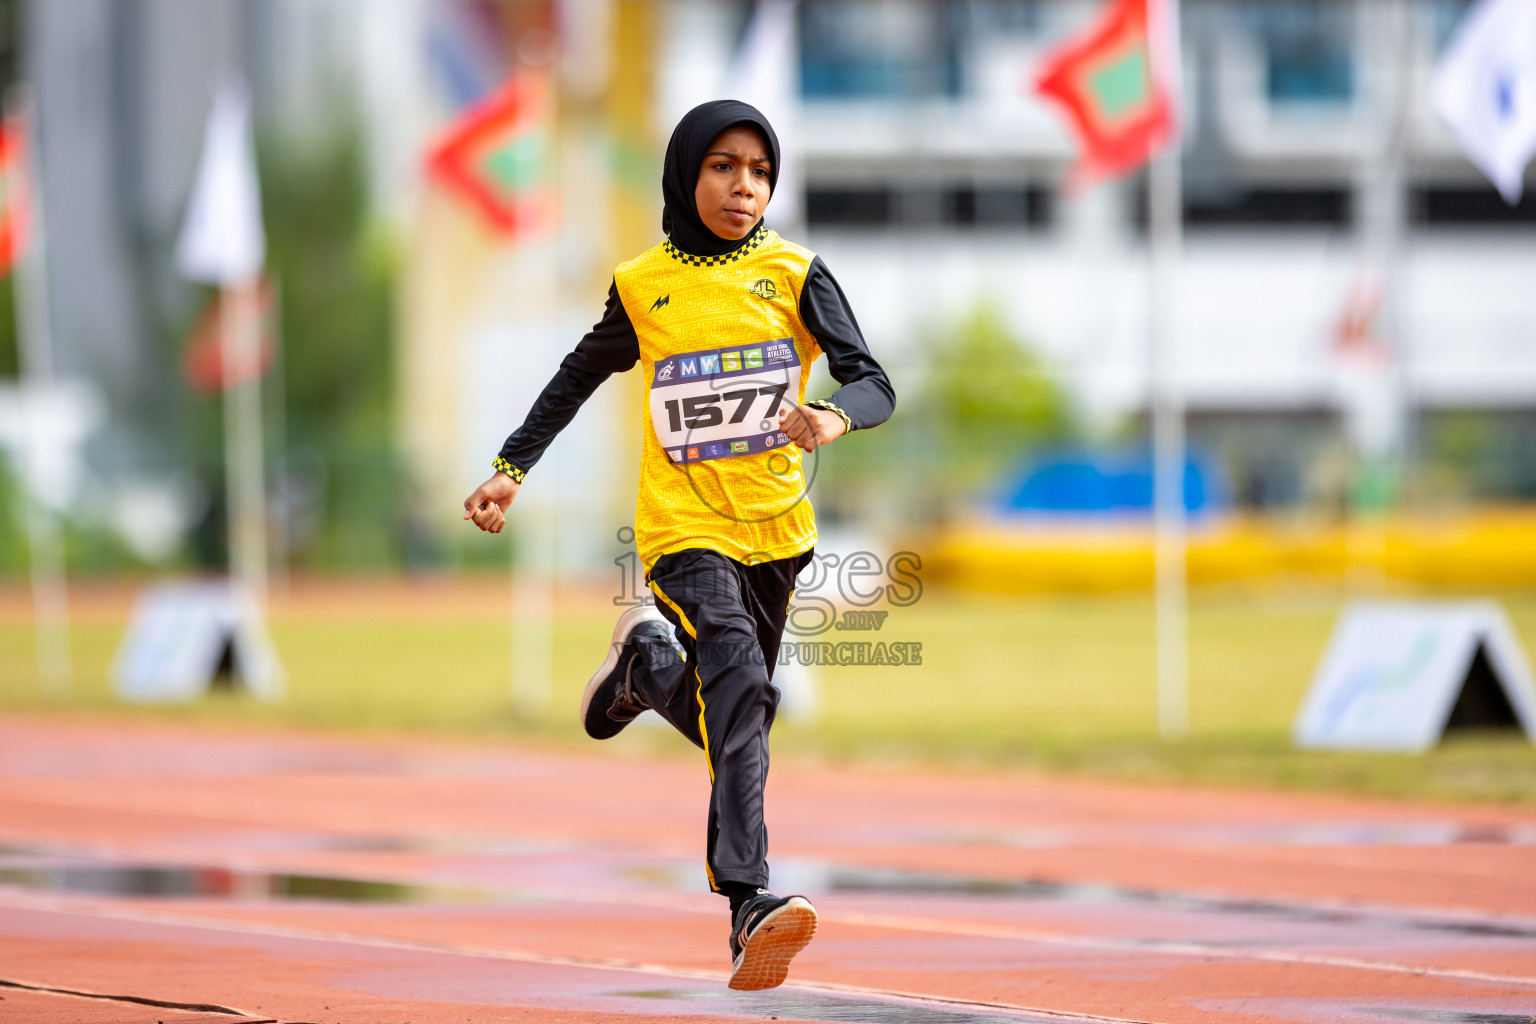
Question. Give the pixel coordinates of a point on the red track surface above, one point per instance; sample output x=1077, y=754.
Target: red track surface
x=227, y=873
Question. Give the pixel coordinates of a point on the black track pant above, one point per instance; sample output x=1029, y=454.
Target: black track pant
x=729, y=619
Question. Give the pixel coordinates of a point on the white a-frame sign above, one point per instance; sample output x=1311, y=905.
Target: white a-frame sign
x=185, y=638
x=1397, y=675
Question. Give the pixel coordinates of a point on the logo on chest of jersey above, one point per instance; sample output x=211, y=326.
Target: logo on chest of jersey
x=660, y=302
x=764, y=288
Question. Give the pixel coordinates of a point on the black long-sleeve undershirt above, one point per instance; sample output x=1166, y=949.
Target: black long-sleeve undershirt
x=865, y=397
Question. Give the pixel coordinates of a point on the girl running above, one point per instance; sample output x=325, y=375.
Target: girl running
x=725, y=319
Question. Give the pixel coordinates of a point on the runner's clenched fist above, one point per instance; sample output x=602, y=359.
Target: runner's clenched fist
x=810, y=427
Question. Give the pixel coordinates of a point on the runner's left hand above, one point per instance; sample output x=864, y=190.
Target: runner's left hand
x=488, y=505
x=810, y=427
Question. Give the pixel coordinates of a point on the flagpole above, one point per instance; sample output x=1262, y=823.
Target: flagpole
x=45, y=536
x=1384, y=212
x=223, y=243
x=1165, y=202
x=276, y=414
x=243, y=473
x=536, y=541
x=1152, y=132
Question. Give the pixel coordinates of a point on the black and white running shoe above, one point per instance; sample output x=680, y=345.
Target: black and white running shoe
x=610, y=702
x=766, y=934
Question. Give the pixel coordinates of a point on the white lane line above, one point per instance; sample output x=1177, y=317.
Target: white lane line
x=1182, y=948
x=940, y=926
x=51, y=905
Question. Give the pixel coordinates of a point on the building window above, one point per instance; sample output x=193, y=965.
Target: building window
x=983, y=206
x=1444, y=16
x=1304, y=207
x=1477, y=205
x=1309, y=207
x=848, y=207
x=1308, y=49
x=879, y=49
x=997, y=206
x=984, y=19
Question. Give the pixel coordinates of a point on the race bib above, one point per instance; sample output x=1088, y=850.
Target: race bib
x=722, y=402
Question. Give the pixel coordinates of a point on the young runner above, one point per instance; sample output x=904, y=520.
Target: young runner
x=725, y=319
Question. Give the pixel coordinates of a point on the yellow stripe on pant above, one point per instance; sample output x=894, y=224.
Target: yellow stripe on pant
x=709, y=761
x=673, y=605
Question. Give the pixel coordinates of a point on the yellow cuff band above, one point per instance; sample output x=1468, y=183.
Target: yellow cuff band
x=823, y=403
x=501, y=465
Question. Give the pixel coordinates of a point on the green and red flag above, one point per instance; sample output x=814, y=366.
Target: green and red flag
x=13, y=192
x=1116, y=83
x=496, y=157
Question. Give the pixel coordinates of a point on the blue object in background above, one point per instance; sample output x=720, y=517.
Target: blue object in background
x=1083, y=483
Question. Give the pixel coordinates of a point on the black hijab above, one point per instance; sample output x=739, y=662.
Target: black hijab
x=680, y=173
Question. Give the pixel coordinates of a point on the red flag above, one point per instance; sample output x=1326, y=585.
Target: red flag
x=202, y=360
x=1357, y=336
x=496, y=156
x=13, y=192
x=1114, y=82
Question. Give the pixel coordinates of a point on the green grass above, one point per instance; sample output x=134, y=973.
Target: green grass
x=1048, y=683
x=1067, y=684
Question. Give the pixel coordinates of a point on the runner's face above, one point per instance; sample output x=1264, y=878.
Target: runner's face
x=732, y=191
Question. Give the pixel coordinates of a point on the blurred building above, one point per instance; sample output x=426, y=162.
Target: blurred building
x=1337, y=245
x=1326, y=209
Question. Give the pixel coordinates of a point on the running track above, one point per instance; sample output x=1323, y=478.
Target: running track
x=156, y=873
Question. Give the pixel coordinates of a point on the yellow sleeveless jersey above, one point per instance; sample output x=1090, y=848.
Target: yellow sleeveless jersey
x=722, y=349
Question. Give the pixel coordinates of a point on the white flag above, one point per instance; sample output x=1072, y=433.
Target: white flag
x=1485, y=88
x=765, y=74
x=222, y=241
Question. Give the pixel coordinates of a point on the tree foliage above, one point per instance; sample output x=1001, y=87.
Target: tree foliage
x=335, y=280
x=984, y=389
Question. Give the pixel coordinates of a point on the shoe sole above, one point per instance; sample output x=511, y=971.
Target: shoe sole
x=764, y=960
x=631, y=618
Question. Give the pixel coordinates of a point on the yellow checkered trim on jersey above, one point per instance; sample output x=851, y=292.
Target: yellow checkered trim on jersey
x=758, y=238
x=501, y=465
x=750, y=508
